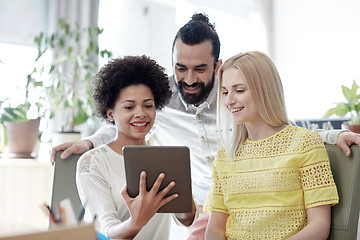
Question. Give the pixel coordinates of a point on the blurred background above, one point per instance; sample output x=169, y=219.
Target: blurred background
x=315, y=45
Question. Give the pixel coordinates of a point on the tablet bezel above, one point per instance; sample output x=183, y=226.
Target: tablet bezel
x=174, y=161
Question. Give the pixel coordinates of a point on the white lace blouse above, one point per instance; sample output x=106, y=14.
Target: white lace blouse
x=100, y=176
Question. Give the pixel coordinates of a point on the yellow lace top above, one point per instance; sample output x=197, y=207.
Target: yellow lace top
x=269, y=185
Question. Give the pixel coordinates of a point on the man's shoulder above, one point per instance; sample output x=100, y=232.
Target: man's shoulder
x=172, y=83
x=175, y=100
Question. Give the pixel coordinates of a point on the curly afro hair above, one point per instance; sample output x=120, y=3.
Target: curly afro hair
x=122, y=72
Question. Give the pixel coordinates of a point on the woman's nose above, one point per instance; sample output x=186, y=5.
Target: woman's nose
x=140, y=112
x=229, y=99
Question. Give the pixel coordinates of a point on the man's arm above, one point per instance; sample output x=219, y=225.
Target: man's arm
x=102, y=136
x=188, y=219
x=343, y=138
x=329, y=136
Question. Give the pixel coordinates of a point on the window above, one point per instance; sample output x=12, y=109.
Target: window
x=16, y=63
x=17, y=48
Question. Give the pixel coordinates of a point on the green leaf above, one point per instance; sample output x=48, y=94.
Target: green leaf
x=340, y=110
x=15, y=114
x=81, y=115
x=77, y=37
x=357, y=108
x=70, y=50
x=38, y=83
x=3, y=135
x=62, y=92
x=347, y=92
x=106, y=52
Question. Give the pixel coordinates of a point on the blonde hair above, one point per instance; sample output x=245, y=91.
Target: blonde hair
x=264, y=84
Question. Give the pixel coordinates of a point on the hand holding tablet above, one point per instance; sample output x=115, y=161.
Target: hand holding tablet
x=173, y=161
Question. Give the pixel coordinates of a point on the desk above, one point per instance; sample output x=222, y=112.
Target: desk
x=24, y=185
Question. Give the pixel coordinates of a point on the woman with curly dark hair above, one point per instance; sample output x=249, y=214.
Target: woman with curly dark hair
x=126, y=92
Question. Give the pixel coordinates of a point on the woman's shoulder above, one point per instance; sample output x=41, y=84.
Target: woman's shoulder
x=95, y=157
x=96, y=152
x=307, y=138
x=221, y=155
x=304, y=132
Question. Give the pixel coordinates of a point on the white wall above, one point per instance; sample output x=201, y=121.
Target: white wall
x=137, y=27
x=148, y=27
x=315, y=44
x=317, y=49
x=20, y=19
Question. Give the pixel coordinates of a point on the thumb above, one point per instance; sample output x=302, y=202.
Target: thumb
x=125, y=194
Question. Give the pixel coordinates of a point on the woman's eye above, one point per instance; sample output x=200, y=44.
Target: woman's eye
x=224, y=93
x=129, y=107
x=149, y=106
x=240, y=91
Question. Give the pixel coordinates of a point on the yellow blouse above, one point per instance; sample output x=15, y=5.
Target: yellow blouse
x=269, y=185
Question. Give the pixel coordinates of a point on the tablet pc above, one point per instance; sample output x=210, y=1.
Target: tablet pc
x=174, y=161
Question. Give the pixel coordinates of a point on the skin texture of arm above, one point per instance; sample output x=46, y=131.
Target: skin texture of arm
x=319, y=221
x=216, y=227
x=187, y=218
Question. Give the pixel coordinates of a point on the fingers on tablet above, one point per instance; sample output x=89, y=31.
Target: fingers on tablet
x=142, y=183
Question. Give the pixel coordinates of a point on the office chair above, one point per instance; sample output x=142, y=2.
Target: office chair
x=64, y=182
x=346, y=171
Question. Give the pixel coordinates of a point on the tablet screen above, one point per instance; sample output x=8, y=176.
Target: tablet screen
x=174, y=161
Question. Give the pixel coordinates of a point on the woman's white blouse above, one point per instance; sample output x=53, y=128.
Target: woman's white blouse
x=100, y=177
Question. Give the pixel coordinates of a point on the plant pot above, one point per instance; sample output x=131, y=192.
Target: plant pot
x=353, y=128
x=22, y=138
x=64, y=137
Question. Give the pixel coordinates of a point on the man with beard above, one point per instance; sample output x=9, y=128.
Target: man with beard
x=190, y=117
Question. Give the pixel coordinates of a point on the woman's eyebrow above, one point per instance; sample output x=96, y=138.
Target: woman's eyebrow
x=132, y=101
x=127, y=100
x=235, y=85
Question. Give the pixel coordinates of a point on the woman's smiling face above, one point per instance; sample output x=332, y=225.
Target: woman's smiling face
x=134, y=112
x=237, y=96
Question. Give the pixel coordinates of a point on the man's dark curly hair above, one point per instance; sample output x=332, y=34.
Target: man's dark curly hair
x=122, y=72
x=198, y=30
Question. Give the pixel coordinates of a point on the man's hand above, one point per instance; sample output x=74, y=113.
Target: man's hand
x=77, y=147
x=346, y=139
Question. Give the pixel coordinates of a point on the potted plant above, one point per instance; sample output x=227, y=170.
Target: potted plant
x=75, y=53
x=19, y=123
x=350, y=107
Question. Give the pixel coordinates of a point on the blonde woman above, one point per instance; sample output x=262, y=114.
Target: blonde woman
x=271, y=180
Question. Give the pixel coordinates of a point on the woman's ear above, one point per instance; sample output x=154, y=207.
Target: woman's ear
x=110, y=115
x=217, y=66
